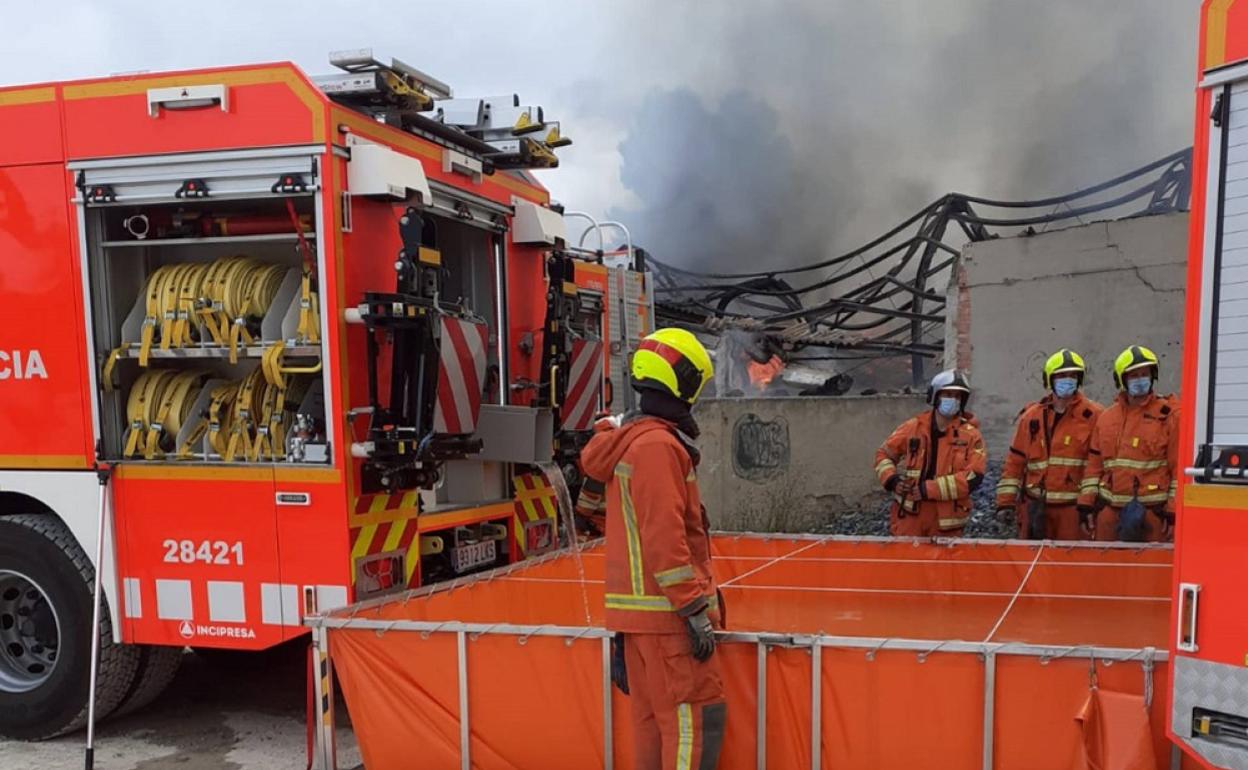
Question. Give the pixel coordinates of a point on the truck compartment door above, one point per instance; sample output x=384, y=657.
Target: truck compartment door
x=44, y=421
x=198, y=558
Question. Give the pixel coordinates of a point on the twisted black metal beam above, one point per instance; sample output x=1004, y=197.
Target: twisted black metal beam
x=774, y=305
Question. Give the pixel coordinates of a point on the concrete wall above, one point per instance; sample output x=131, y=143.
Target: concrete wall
x=1095, y=288
x=786, y=464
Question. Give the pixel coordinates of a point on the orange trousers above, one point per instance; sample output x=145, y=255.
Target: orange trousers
x=1061, y=522
x=677, y=703
x=1107, y=526
x=922, y=522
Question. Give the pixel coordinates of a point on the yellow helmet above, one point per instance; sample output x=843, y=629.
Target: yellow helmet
x=1134, y=357
x=672, y=360
x=1064, y=360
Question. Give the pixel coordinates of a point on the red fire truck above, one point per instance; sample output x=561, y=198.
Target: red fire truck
x=1209, y=704
x=306, y=340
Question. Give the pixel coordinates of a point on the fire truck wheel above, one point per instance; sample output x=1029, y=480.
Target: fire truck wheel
x=157, y=668
x=46, y=584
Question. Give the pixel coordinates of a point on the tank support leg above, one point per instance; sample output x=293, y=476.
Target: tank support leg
x=324, y=755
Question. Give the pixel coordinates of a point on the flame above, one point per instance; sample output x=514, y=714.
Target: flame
x=761, y=375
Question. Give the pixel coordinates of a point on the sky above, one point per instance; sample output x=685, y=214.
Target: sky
x=726, y=134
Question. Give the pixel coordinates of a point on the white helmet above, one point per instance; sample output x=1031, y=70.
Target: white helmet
x=949, y=379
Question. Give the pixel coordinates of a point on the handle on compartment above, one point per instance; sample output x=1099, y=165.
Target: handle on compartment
x=1189, y=594
x=294, y=498
x=187, y=98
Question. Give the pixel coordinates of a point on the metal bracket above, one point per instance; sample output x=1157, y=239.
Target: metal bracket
x=100, y=193
x=290, y=183
x=192, y=188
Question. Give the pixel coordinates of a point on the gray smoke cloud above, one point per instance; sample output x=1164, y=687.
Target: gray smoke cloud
x=795, y=130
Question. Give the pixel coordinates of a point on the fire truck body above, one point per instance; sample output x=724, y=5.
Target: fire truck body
x=1209, y=708
x=413, y=339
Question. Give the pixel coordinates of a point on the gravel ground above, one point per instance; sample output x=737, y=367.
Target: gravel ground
x=213, y=717
x=983, y=521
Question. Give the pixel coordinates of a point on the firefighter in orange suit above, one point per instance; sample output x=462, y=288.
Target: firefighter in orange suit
x=661, y=597
x=1044, y=467
x=1132, y=476
x=933, y=462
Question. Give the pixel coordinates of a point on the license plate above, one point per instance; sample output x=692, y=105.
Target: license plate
x=465, y=557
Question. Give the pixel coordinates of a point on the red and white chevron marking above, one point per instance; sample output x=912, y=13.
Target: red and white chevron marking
x=584, y=385
x=461, y=374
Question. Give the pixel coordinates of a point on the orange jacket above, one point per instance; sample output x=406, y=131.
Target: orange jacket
x=1049, y=452
x=1134, y=451
x=944, y=483
x=658, y=542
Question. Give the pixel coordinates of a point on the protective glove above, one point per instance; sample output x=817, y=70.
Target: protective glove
x=619, y=671
x=904, y=488
x=891, y=484
x=701, y=635
x=1087, y=519
x=723, y=609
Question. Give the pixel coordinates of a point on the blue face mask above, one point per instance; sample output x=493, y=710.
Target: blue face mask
x=1139, y=386
x=948, y=406
x=1065, y=387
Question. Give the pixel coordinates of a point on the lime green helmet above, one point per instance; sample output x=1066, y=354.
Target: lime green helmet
x=1063, y=361
x=1134, y=357
x=672, y=360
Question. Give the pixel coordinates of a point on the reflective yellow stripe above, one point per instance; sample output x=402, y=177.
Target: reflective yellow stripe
x=913, y=474
x=1140, y=465
x=624, y=473
x=1061, y=497
x=1069, y=462
x=637, y=602
x=684, y=741
x=951, y=523
x=1120, y=500
x=670, y=577
x=883, y=465
x=1089, y=483
x=948, y=487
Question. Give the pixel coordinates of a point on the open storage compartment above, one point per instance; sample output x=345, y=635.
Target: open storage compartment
x=203, y=276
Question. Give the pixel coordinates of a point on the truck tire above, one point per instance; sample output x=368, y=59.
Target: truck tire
x=158, y=665
x=46, y=599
